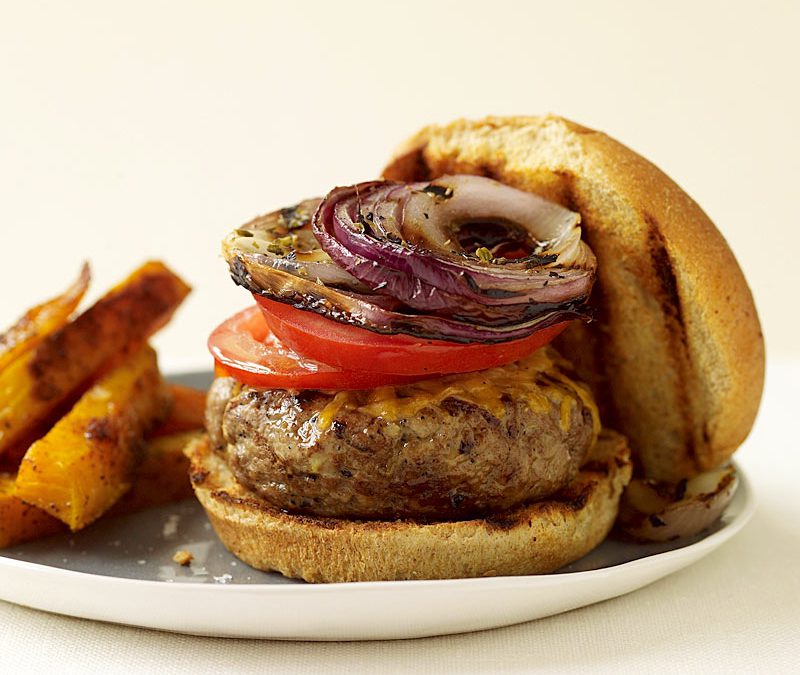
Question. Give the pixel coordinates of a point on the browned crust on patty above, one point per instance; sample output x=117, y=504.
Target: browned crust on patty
x=450, y=458
x=676, y=357
x=532, y=539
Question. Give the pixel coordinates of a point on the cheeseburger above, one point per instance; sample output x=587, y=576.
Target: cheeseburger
x=455, y=371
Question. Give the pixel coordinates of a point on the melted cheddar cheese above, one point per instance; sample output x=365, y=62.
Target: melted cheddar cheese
x=537, y=380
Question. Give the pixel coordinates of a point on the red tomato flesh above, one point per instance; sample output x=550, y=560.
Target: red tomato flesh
x=359, y=350
x=245, y=348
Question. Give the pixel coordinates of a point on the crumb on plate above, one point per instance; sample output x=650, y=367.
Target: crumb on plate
x=183, y=558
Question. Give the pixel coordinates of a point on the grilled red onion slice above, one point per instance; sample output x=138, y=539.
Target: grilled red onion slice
x=408, y=241
x=463, y=258
x=283, y=240
x=378, y=314
x=653, y=511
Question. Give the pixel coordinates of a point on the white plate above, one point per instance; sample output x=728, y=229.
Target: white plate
x=109, y=574
x=121, y=570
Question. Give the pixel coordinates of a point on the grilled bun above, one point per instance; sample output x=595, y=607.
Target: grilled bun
x=676, y=355
x=532, y=539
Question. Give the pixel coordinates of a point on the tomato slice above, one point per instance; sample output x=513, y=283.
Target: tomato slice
x=357, y=349
x=245, y=348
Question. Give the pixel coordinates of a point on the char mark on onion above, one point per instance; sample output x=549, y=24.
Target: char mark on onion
x=464, y=258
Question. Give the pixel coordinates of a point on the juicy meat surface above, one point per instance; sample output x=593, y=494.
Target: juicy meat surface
x=432, y=451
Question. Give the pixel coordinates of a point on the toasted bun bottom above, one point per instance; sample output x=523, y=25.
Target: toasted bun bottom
x=532, y=539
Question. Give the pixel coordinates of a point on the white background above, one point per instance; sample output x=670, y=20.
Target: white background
x=137, y=130
x=150, y=129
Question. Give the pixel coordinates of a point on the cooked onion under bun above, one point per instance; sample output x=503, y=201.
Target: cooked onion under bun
x=532, y=539
x=676, y=357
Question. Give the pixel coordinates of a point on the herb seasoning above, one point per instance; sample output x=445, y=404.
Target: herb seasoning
x=484, y=254
x=440, y=191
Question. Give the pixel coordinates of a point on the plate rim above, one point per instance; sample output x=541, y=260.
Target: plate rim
x=712, y=540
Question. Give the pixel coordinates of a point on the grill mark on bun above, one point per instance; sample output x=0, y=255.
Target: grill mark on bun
x=503, y=521
x=327, y=523
x=662, y=265
x=669, y=298
x=573, y=499
x=576, y=500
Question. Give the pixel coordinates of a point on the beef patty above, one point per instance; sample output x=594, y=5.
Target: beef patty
x=453, y=447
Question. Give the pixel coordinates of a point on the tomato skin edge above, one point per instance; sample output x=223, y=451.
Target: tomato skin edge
x=350, y=348
x=248, y=330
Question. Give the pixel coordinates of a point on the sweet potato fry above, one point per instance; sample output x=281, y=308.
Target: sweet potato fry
x=42, y=320
x=161, y=477
x=10, y=460
x=187, y=412
x=34, y=384
x=84, y=464
x=20, y=521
